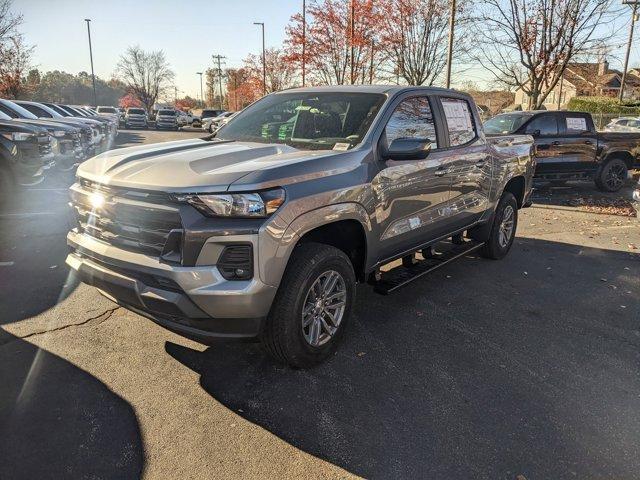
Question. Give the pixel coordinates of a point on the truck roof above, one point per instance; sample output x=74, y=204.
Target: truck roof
x=388, y=89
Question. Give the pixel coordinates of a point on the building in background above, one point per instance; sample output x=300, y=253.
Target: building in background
x=586, y=80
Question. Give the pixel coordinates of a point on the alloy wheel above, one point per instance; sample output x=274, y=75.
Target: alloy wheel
x=323, y=308
x=506, y=226
x=615, y=176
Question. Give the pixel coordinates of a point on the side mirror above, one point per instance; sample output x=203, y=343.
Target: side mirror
x=407, y=149
x=535, y=133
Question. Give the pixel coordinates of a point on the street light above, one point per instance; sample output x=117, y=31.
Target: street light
x=201, y=95
x=93, y=76
x=264, y=63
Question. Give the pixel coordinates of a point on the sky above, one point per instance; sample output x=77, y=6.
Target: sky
x=189, y=32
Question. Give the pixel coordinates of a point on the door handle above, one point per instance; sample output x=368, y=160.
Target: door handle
x=555, y=143
x=588, y=142
x=480, y=163
x=441, y=172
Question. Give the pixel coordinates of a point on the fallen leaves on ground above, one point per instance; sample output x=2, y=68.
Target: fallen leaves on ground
x=609, y=206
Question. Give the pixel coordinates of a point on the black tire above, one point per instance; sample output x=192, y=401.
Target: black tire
x=283, y=336
x=494, y=247
x=611, y=176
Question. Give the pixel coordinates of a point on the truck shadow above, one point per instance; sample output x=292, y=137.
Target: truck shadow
x=58, y=421
x=483, y=370
x=582, y=194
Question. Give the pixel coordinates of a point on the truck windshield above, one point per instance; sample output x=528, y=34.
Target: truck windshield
x=167, y=113
x=306, y=120
x=505, y=123
x=136, y=111
x=106, y=110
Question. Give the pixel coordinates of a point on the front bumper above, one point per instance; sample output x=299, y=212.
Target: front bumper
x=196, y=302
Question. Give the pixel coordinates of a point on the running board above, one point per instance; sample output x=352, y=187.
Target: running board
x=398, y=277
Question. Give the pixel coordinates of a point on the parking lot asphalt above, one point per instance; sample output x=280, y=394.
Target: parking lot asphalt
x=485, y=369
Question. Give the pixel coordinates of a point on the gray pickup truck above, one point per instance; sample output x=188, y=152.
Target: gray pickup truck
x=263, y=229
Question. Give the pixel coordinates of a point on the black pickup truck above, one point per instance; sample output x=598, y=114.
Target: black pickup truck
x=568, y=147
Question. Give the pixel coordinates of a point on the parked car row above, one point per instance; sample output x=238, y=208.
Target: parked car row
x=36, y=136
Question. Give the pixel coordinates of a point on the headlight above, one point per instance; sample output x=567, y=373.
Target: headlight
x=240, y=205
x=59, y=133
x=636, y=195
x=18, y=136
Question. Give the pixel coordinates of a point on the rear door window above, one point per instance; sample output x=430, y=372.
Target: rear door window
x=576, y=124
x=459, y=121
x=543, y=125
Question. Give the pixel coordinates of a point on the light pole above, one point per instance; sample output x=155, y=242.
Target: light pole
x=93, y=76
x=452, y=21
x=264, y=63
x=304, y=38
x=634, y=8
x=201, y=96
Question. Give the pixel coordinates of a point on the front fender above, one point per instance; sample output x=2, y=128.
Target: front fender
x=272, y=265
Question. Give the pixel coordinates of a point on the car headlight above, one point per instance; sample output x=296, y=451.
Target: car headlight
x=239, y=205
x=636, y=195
x=18, y=136
x=59, y=133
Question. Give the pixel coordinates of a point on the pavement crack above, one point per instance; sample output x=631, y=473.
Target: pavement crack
x=103, y=317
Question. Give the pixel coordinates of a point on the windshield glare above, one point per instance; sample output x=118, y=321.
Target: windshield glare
x=505, y=123
x=314, y=121
x=23, y=112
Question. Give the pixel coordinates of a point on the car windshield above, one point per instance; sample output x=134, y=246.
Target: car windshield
x=167, y=113
x=22, y=112
x=505, y=123
x=307, y=120
x=106, y=110
x=136, y=111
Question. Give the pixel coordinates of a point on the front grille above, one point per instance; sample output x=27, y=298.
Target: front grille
x=133, y=220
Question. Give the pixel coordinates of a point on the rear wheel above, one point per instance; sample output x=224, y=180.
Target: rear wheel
x=312, y=306
x=503, y=229
x=611, y=176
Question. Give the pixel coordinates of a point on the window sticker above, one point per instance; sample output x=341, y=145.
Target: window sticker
x=577, y=123
x=457, y=114
x=341, y=146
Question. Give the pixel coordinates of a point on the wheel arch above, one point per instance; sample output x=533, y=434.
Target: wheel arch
x=516, y=185
x=345, y=226
x=623, y=155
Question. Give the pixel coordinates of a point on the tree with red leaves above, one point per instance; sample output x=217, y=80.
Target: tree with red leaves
x=15, y=55
x=185, y=104
x=414, y=37
x=129, y=100
x=342, y=41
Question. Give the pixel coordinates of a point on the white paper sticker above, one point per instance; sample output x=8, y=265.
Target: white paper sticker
x=414, y=222
x=577, y=123
x=457, y=114
x=341, y=146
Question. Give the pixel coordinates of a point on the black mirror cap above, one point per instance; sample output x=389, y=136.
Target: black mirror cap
x=407, y=149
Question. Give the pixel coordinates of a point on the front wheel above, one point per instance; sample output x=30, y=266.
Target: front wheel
x=312, y=306
x=503, y=228
x=611, y=176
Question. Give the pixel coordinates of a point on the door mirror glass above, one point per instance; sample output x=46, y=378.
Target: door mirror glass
x=535, y=133
x=408, y=149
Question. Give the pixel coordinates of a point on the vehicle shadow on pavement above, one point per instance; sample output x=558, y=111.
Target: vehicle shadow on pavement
x=483, y=370
x=33, y=249
x=129, y=138
x=57, y=421
x=581, y=194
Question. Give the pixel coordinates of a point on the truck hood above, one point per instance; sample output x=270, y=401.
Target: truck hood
x=195, y=165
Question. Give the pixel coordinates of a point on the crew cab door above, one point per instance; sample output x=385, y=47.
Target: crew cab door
x=579, y=142
x=470, y=164
x=411, y=195
x=546, y=135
